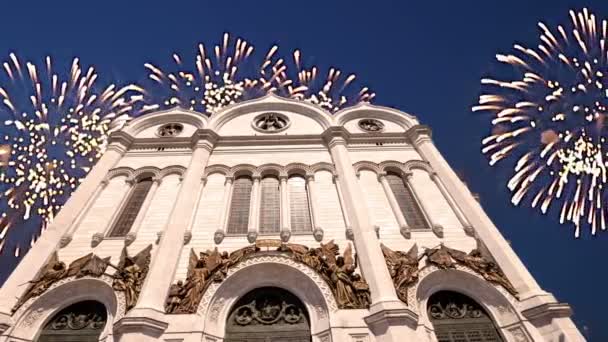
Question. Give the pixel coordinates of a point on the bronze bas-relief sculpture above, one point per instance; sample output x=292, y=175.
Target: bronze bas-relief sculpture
x=350, y=289
x=403, y=268
x=127, y=278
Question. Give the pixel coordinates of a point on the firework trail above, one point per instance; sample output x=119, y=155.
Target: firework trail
x=56, y=128
x=227, y=74
x=548, y=118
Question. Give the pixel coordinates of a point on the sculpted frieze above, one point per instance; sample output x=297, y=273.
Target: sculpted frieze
x=129, y=275
x=349, y=289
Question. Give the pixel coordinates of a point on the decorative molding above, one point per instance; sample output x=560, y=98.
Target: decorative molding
x=141, y=325
x=218, y=236
x=285, y=235
x=187, y=237
x=548, y=310
x=130, y=237
x=318, y=234
x=276, y=169
x=96, y=239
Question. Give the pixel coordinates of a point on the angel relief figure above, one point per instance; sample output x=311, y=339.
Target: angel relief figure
x=130, y=274
x=403, y=268
x=53, y=271
x=341, y=271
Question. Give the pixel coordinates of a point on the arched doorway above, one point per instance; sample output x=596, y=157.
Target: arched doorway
x=458, y=318
x=82, y=322
x=268, y=314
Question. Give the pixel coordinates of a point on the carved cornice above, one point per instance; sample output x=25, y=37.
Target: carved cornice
x=120, y=141
x=149, y=325
x=548, y=310
x=418, y=133
x=205, y=138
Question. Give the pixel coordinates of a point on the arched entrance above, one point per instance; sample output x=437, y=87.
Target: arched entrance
x=458, y=318
x=268, y=314
x=83, y=322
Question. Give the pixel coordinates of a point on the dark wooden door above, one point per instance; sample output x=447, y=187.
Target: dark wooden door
x=268, y=314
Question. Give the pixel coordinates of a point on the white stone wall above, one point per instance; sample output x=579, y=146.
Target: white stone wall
x=227, y=139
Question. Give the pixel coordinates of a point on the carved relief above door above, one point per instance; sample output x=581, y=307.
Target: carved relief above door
x=268, y=314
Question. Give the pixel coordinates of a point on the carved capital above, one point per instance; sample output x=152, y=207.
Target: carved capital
x=469, y=230
x=406, y=232
x=252, y=236
x=350, y=234
x=335, y=135
x=318, y=234
x=96, y=239
x=285, y=234
x=158, y=180
x=187, y=237
x=130, y=237
x=65, y=240
x=218, y=236
x=381, y=175
x=229, y=179
x=438, y=230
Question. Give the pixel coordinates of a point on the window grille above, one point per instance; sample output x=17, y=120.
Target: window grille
x=407, y=202
x=299, y=205
x=270, y=208
x=457, y=318
x=238, y=218
x=131, y=208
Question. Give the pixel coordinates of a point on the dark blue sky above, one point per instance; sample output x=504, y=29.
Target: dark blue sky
x=423, y=58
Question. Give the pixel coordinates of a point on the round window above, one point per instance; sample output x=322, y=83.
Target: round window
x=170, y=130
x=270, y=122
x=371, y=125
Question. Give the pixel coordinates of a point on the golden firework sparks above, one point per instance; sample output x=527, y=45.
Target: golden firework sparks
x=550, y=117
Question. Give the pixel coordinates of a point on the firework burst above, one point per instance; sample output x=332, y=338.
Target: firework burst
x=56, y=129
x=227, y=73
x=548, y=118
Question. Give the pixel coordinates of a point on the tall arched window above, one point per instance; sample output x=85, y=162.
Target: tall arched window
x=239, y=208
x=131, y=208
x=407, y=201
x=457, y=317
x=83, y=322
x=299, y=205
x=270, y=208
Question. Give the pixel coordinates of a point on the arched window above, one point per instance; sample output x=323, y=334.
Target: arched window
x=82, y=322
x=457, y=317
x=268, y=314
x=131, y=208
x=270, y=208
x=407, y=201
x=299, y=205
x=238, y=218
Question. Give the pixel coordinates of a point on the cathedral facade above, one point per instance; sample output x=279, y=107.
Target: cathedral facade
x=274, y=220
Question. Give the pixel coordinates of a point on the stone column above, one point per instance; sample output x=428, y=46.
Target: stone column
x=389, y=319
x=403, y=227
x=226, y=200
x=349, y=228
x=285, y=218
x=457, y=211
x=146, y=321
x=435, y=227
x=254, y=210
x=314, y=207
x=16, y=284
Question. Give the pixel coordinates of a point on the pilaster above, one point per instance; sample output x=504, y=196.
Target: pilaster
x=154, y=291
x=387, y=312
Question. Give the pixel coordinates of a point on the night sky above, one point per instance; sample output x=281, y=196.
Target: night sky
x=423, y=58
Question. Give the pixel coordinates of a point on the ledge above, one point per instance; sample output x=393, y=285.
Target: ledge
x=391, y=314
x=548, y=310
x=144, y=325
